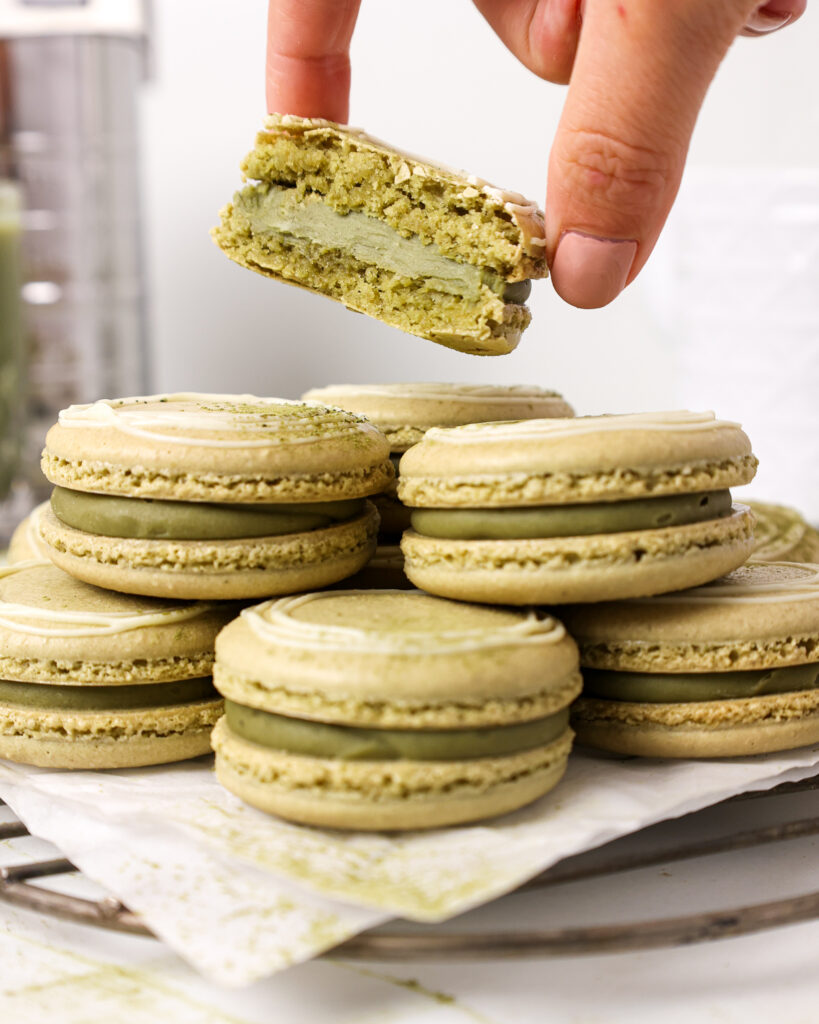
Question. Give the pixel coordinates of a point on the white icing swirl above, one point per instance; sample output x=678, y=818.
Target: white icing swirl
x=261, y=422
x=779, y=583
x=24, y=618
x=544, y=429
x=273, y=623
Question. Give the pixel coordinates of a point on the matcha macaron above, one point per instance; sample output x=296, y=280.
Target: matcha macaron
x=94, y=679
x=782, y=534
x=723, y=670
x=430, y=250
x=26, y=543
x=212, y=496
x=388, y=709
x=586, y=509
x=405, y=412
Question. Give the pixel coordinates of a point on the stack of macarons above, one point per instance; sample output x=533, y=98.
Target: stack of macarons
x=404, y=413
x=212, y=496
x=723, y=670
x=94, y=679
x=587, y=509
x=392, y=709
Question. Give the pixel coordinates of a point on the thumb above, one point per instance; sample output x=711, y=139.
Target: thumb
x=640, y=76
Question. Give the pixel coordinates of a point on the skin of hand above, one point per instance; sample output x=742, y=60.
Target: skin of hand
x=637, y=71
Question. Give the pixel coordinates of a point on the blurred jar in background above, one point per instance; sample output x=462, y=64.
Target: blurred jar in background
x=70, y=72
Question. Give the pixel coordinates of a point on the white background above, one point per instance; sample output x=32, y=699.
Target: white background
x=431, y=77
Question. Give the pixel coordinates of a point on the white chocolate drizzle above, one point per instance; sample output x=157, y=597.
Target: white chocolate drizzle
x=255, y=422
x=545, y=429
x=273, y=623
x=61, y=622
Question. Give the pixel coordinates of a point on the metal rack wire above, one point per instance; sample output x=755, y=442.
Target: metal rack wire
x=19, y=885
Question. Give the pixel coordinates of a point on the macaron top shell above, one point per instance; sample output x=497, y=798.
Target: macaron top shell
x=397, y=647
x=588, y=458
x=50, y=621
x=404, y=412
x=159, y=444
x=762, y=615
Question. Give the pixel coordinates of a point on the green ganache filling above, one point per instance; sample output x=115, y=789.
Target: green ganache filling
x=281, y=211
x=348, y=743
x=570, y=520
x=151, y=519
x=106, y=698
x=668, y=688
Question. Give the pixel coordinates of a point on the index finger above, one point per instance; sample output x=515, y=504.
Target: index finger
x=308, y=57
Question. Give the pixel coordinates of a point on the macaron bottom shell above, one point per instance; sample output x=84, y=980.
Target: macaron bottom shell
x=115, y=739
x=559, y=570
x=720, y=728
x=384, y=795
x=223, y=570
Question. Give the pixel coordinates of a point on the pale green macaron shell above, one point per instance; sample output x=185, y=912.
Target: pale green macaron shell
x=392, y=709
x=212, y=496
x=94, y=679
x=723, y=670
x=576, y=510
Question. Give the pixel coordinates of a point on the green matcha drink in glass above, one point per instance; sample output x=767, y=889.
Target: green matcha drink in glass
x=11, y=346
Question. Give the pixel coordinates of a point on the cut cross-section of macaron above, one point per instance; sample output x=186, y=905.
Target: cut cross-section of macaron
x=727, y=669
x=428, y=249
x=95, y=679
x=586, y=509
x=405, y=412
x=390, y=709
x=212, y=496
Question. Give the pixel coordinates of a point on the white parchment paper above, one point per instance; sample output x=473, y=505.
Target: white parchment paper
x=241, y=895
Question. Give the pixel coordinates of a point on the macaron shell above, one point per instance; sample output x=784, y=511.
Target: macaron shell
x=535, y=462
x=26, y=544
x=117, y=739
x=562, y=570
x=163, y=651
x=782, y=534
x=464, y=664
x=761, y=615
x=404, y=412
x=397, y=795
x=314, y=454
x=723, y=728
x=223, y=570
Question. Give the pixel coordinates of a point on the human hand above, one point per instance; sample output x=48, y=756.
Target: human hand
x=638, y=71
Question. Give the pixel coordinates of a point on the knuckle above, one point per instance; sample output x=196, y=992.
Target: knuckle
x=611, y=171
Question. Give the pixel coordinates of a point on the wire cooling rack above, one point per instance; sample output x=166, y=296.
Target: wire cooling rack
x=26, y=885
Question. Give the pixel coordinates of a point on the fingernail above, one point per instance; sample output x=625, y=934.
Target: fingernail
x=762, y=21
x=588, y=271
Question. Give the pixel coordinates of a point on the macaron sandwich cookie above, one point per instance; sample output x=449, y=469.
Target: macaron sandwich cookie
x=94, y=679
x=212, y=496
x=575, y=510
x=405, y=412
x=26, y=543
x=723, y=670
x=392, y=709
x=782, y=534
x=433, y=251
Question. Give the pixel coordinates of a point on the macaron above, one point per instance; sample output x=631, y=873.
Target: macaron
x=212, y=496
x=95, y=679
x=405, y=412
x=430, y=250
x=26, y=544
x=573, y=510
x=723, y=670
x=386, y=709
x=782, y=534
